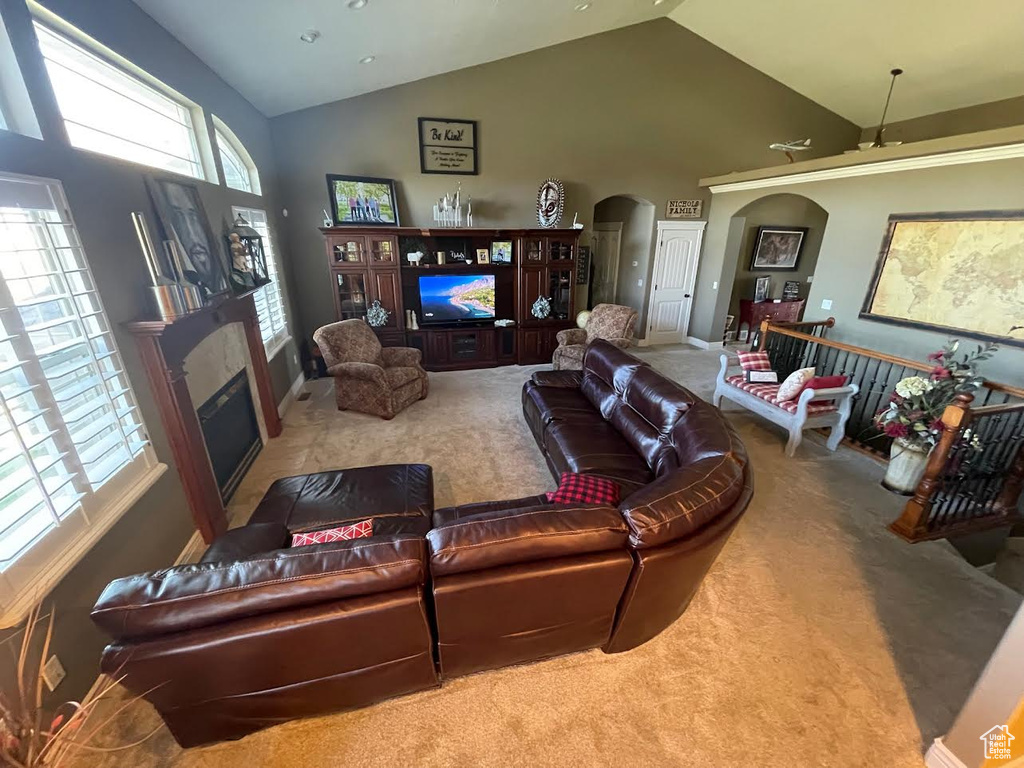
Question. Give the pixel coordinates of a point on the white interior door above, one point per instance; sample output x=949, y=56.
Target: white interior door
x=607, y=242
x=675, y=275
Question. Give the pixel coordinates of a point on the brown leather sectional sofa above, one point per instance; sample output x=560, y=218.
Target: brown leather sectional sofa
x=257, y=633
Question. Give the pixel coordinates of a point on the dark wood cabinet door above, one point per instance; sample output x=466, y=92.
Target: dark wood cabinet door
x=531, y=346
x=383, y=250
x=437, y=348
x=561, y=249
x=350, y=294
x=347, y=250
x=532, y=251
x=387, y=289
x=534, y=285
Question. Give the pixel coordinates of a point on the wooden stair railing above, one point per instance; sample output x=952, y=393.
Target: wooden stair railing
x=974, y=475
x=973, y=480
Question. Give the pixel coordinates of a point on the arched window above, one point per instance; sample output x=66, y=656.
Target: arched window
x=239, y=169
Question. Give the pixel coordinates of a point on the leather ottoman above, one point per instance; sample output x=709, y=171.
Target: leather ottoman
x=399, y=498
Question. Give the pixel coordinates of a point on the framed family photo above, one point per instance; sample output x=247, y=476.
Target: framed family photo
x=777, y=247
x=200, y=256
x=362, y=201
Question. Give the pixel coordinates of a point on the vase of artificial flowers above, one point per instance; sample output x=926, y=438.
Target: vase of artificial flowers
x=913, y=416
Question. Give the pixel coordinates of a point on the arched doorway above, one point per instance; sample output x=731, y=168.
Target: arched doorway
x=784, y=211
x=622, y=240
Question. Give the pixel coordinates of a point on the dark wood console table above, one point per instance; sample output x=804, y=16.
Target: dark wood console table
x=369, y=264
x=753, y=313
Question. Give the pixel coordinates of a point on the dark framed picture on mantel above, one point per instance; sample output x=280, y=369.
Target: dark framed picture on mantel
x=777, y=248
x=362, y=201
x=448, y=146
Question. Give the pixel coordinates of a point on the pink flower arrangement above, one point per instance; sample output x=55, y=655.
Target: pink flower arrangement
x=914, y=411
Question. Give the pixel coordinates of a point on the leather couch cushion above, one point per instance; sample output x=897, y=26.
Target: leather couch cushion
x=327, y=498
x=571, y=379
x=242, y=543
x=561, y=404
x=682, y=502
x=191, y=596
x=596, y=449
x=503, y=537
x=453, y=514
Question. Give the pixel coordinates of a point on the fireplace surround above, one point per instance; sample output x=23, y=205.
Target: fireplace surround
x=163, y=346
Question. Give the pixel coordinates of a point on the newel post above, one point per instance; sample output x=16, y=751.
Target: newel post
x=912, y=525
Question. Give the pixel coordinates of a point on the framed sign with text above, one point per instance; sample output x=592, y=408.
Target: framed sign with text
x=447, y=146
x=684, y=209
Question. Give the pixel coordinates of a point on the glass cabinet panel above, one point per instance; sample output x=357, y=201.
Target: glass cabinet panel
x=351, y=295
x=533, y=249
x=561, y=250
x=382, y=251
x=349, y=251
x=560, y=290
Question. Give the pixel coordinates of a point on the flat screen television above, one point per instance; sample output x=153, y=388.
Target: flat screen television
x=456, y=298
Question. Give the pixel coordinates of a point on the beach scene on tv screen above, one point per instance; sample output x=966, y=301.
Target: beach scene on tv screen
x=457, y=297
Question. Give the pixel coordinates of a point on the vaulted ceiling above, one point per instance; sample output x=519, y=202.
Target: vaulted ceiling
x=255, y=46
x=837, y=54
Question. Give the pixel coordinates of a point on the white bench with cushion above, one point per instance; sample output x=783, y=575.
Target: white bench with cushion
x=812, y=409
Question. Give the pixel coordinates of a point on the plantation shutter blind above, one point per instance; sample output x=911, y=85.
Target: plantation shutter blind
x=269, y=301
x=72, y=439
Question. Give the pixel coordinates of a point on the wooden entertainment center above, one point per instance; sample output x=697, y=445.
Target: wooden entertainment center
x=370, y=263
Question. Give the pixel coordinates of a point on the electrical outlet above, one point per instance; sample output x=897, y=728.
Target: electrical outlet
x=826, y=303
x=640, y=283
x=810, y=278
x=53, y=672
x=714, y=286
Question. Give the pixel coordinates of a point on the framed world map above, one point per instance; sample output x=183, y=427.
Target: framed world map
x=957, y=272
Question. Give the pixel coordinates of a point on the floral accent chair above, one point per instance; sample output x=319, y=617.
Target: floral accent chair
x=613, y=323
x=370, y=378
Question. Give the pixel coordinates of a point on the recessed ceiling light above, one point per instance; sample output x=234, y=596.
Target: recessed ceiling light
x=658, y=2
x=367, y=59
x=581, y=6
x=310, y=36
x=355, y=5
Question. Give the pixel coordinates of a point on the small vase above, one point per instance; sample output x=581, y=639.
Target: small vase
x=907, y=461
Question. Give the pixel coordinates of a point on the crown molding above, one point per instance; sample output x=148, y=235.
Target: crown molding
x=961, y=157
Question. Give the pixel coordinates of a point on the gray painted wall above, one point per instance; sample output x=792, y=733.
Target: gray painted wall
x=576, y=111
x=102, y=192
x=637, y=245
x=858, y=210
x=785, y=211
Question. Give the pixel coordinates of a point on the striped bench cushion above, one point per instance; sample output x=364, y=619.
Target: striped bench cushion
x=768, y=392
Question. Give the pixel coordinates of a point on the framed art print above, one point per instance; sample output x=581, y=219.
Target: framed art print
x=777, y=248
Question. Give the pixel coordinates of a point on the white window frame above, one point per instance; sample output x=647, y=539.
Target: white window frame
x=48, y=559
x=269, y=294
x=201, y=143
x=16, y=111
x=229, y=144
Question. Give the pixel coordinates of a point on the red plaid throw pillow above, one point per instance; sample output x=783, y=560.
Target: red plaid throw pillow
x=754, y=361
x=360, y=530
x=584, y=489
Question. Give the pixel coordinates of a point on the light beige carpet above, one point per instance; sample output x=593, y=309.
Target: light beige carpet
x=817, y=639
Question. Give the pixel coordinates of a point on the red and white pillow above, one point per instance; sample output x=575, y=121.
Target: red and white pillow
x=360, y=530
x=754, y=361
x=585, y=489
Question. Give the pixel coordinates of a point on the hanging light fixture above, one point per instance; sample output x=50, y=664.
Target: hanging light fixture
x=881, y=125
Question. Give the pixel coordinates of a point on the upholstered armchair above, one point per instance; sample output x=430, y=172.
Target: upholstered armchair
x=370, y=378
x=613, y=323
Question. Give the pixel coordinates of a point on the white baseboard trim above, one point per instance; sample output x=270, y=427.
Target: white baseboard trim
x=289, y=398
x=939, y=756
x=701, y=344
x=643, y=343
